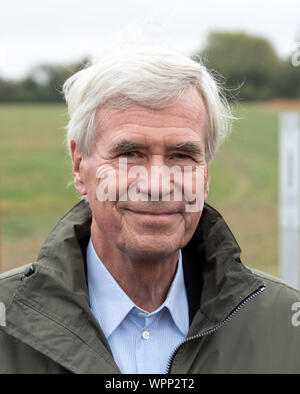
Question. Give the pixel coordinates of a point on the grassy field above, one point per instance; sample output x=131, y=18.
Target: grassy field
x=35, y=172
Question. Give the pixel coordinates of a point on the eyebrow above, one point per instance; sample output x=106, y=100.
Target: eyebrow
x=188, y=147
x=127, y=145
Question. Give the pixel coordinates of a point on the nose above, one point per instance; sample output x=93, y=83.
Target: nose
x=160, y=185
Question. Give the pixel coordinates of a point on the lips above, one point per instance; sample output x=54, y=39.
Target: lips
x=154, y=213
x=153, y=218
x=153, y=208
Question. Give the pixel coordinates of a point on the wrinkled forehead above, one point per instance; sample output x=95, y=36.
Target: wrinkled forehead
x=188, y=114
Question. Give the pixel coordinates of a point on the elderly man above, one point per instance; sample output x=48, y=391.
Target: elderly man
x=142, y=276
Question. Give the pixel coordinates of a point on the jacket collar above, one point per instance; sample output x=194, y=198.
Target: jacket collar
x=55, y=298
x=216, y=280
x=50, y=311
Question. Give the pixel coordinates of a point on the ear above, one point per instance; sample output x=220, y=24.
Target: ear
x=77, y=170
x=207, y=182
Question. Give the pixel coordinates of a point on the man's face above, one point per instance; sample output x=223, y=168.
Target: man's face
x=173, y=137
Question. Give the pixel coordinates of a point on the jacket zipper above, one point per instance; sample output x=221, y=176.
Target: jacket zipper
x=214, y=329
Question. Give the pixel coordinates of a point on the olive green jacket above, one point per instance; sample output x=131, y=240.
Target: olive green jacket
x=241, y=321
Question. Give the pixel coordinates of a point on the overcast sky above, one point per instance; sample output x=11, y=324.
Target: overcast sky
x=60, y=31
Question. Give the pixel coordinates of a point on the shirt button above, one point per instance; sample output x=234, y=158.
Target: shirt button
x=142, y=314
x=146, y=334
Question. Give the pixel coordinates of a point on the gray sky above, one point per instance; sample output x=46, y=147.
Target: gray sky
x=60, y=31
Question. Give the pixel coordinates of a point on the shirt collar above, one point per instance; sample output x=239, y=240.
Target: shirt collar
x=177, y=301
x=110, y=304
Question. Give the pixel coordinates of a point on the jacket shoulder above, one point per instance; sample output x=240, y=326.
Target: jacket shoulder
x=275, y=282
x=278, y=295
x=9, y=282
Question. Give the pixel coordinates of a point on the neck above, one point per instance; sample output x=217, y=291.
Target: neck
x=145, y=280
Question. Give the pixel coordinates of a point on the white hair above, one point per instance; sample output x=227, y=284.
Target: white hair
x=144, y=74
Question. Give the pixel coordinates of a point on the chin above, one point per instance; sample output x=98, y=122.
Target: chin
x=153, y=247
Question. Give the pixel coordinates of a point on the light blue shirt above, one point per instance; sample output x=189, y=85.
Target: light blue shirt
x=141, y=342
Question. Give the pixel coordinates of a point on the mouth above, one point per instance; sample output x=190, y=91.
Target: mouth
x=153, y=217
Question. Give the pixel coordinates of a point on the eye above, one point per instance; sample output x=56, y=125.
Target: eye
x=181, y=156
x=129, y=154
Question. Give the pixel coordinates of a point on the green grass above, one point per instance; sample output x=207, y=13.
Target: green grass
x=35, y=171
x=245, y=185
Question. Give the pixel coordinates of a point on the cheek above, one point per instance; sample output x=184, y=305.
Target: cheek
x=114, y=184
x=194, y=182
x=192, y=220
x=193, y=179
x=107, y=218
x=206, y=186
x=90, y=180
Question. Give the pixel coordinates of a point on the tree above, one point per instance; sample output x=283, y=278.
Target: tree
x=248, y=63
x=287, y=80
x=50, y=79
x=7, y=90
x=43, y=84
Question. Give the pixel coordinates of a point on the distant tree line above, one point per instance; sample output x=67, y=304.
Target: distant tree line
x=43, y=84
x=247, y=66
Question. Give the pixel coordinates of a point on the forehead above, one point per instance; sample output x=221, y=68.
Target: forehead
x=184, y=119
